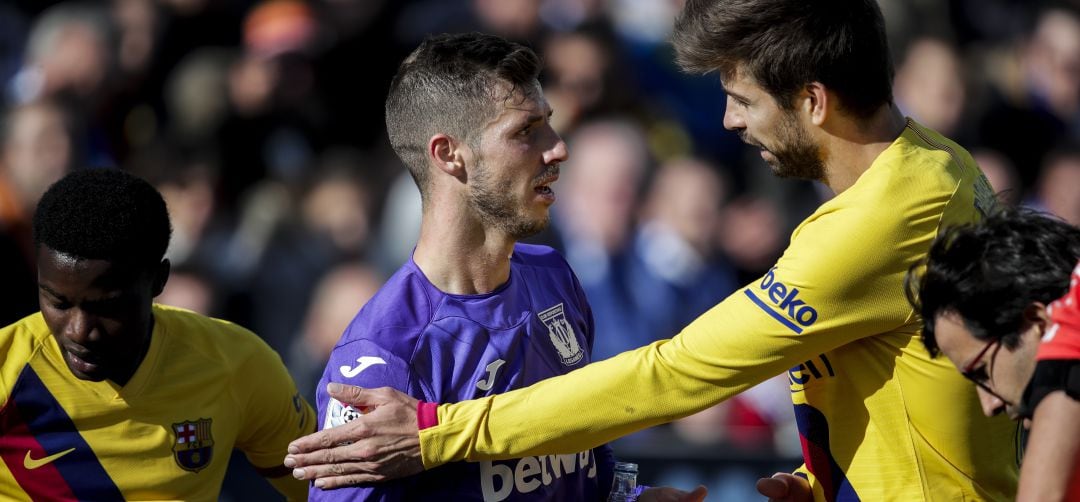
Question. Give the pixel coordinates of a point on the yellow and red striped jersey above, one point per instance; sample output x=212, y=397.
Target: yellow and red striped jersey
x=204, y=387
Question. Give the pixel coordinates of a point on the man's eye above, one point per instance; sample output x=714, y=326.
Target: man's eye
x=106, y=308
x=979, y=374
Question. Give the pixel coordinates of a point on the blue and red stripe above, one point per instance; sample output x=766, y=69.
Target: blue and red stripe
x=33, y=421
x=814, y=435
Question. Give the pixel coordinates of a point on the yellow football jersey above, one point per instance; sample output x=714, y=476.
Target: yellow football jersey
x=878, y=418
x=205, y=387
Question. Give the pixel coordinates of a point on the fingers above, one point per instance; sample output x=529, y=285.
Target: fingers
x=698, y=495
x=366, y=470
x=348, y=394
x=332, y=482
x=346, y=453
x=786, y=487
x=327, y=439
x=775, y=487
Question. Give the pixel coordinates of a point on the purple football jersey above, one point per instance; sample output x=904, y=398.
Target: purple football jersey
x=446, y=348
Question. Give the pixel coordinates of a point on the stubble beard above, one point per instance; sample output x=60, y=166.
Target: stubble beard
x=796, y=156
x=499, y=208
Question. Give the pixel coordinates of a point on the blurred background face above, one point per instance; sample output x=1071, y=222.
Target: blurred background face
x=602, y=182
x=1059, y=188
x=1054, y=61
x=575, y=65
x=37, y=150
x=513, y=19
x=1001, y=174
x=929, y=85
x=686, y=197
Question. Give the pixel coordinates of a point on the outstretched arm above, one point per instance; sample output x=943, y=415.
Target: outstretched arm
x=799, y=310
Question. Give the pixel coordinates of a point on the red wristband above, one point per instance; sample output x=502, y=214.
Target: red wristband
x=427, y=415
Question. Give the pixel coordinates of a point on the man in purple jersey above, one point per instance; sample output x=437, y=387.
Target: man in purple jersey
x=473, y=313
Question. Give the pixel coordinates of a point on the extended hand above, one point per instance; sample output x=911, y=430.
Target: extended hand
x=785, y=487
x=380, y=445
x=668, y=494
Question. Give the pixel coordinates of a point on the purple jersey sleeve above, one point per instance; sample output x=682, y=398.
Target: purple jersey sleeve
x=362, y=363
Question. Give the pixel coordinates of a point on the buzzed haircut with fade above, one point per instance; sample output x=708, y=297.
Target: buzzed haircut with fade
x=104, y=214
x=451, y=84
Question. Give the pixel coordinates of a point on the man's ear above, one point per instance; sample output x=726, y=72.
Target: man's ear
x=1036, y=314
x=446, y=153
x=161, y=276
x=816, y=102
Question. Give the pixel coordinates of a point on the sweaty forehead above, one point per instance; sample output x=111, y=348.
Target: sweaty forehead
x=69, y=271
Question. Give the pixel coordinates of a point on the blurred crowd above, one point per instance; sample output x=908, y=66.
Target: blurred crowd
x=261, y=123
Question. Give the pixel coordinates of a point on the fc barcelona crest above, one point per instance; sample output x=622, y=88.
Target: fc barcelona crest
x=562, y=335
x=194, y=446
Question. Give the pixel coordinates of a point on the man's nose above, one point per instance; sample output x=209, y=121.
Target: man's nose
x=733, y=120
x=557, y=153
x=81, y=327
x=991, y=404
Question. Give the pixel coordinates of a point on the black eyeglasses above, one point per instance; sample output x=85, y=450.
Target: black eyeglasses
x=977, y=373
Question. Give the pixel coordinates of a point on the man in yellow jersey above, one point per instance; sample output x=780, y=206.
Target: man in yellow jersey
x=106, y=396
x=879, y=419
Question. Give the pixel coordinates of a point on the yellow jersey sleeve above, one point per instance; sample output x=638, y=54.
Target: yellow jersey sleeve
x=879, y=418
x=275, y=414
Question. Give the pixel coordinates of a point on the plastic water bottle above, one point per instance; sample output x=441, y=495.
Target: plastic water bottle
x=624, y=487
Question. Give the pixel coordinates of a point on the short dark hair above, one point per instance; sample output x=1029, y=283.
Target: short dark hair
x=786, y=44
x=450, y=85
x=104, y=214
x=989, y=272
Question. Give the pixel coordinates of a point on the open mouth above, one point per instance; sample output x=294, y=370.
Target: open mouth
x=543, y=186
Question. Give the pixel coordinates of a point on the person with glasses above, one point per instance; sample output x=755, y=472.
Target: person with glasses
x=991, y=302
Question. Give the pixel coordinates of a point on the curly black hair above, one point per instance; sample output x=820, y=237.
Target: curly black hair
x=104, y=214
x=989, y=272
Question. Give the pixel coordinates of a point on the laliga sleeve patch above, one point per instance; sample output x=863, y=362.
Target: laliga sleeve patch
x=338, y=413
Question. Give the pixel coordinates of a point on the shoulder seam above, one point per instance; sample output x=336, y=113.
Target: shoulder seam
x=929, y=141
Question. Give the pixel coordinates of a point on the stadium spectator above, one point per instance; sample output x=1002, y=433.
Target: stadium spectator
x=1056, y=189
x=603, y=181
x=1001, y=174
x=109, y=397
x=1036, y=84
x=991, y=302
x=37, y=147
x=332, y=307
x=676, y=271
x=878, y=419
x=473, y=313
x=930, y=85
